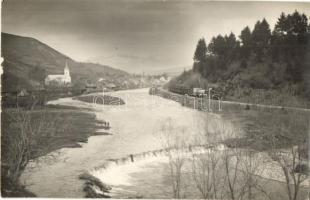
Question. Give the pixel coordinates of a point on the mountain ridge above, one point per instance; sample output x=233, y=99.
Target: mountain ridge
x=27, y=61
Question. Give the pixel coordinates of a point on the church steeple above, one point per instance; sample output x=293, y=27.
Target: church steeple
x=66, y=71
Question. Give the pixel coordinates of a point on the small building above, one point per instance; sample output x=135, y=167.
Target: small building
x=198, y=92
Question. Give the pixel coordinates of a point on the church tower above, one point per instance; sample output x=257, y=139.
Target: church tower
x=66, y=71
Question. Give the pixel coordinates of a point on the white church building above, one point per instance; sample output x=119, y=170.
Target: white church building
x=61, y=79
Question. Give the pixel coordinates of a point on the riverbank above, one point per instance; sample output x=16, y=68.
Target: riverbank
x=261, y=123
x=65, y=127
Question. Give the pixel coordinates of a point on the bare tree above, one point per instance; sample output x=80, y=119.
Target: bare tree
x=206, y=167
x=287, y=135
x=174, y=142
x=252, y=168
x=24, y=139
x=206, y=173
x=289, y=160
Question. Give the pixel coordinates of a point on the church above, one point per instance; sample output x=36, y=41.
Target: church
x=60, y=79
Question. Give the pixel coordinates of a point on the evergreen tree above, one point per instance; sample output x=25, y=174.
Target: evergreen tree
x=278, y=46
x=261, y=37
x=290, y=43
x=217, y=45
x=246, y=43
x=282, y=26
x=298, y=23
x=245, y=36
x=232, y=46
x=200, y=57
x=201, y=51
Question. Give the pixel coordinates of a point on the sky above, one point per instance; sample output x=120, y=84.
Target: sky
x=136, y=36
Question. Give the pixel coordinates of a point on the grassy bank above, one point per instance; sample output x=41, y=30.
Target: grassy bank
x=45, y=130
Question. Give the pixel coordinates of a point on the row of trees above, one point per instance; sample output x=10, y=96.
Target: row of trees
x=260, y=58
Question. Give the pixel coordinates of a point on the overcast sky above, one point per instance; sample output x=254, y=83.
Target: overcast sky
x=136, y=36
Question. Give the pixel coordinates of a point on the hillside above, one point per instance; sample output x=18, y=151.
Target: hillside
x=28, y=61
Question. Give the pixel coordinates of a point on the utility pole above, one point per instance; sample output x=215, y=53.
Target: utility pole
x=210, y=99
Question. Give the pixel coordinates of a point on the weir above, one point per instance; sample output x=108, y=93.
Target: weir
x=121, y=168
x=103, y=172
x=191, y=149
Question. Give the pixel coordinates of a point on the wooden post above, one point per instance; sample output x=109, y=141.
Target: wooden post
x=131, y=158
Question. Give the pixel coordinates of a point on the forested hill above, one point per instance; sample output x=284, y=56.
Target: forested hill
x=28, y=61
x=260, y=62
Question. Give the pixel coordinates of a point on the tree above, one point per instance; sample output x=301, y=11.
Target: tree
x=246, y=43
x=281, y=28
x=217, y=45
x=289, y=161
x=261, y=38
x=174, y=142
x=218, y=49
x=201, y=50
x=298, y=23
x=291, y=29
x=231, y=47
x=22, y=134
x=206, y=168
x=200, y=57
x=290, y=43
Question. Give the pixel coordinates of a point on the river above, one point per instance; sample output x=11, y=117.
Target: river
x=135, y=129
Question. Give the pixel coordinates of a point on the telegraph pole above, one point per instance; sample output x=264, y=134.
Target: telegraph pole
x=210, y=99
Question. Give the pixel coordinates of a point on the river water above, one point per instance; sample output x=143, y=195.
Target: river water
x=135, y=129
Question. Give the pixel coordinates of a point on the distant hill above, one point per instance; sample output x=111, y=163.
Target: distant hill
x=28, y=61
x=172, y=71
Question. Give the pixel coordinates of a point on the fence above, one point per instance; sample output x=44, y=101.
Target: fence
x=206, y=104
x=199, y=103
